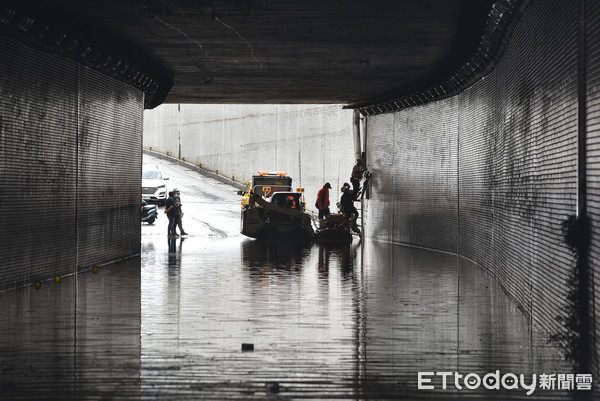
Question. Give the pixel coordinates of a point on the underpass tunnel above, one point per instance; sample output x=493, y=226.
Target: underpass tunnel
x=482, y=142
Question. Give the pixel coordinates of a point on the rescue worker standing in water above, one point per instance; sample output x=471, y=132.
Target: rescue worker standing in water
x=172, y=211
x=357, y=174
x=347, y=203
x=323, y=201
x=180, y=214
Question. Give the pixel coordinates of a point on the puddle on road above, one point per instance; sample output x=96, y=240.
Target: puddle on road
x=349, y=322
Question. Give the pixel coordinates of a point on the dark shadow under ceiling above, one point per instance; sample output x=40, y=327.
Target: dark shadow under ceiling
x=275, y=51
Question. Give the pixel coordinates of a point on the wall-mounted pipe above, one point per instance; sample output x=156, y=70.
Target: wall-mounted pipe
x=357, y=144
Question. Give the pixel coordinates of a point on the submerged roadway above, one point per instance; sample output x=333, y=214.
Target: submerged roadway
x=218, y=316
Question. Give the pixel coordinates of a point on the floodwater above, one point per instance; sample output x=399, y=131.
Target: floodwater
x=219, y=316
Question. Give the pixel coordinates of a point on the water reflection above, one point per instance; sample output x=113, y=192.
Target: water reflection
x=75, y=339
x=175, y=247
x=286, y=255
x=345, y=322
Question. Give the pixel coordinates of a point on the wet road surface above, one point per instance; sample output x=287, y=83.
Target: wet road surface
x=355, y=322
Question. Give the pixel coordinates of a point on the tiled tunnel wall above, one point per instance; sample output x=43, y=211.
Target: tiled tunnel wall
x=492, y=172
x=592, y=77
x=70, y=154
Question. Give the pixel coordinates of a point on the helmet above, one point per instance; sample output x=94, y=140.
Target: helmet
x=344, y=188
x=327, y=185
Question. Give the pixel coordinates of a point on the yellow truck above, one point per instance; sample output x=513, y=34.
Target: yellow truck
x=265, y=184
x=272, y=211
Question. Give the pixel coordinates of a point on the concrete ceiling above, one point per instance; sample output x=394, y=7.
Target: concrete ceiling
x=278, y=51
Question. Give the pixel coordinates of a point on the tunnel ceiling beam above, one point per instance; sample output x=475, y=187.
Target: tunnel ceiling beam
x=125, y=64
x=501, y=20
x=366, y=54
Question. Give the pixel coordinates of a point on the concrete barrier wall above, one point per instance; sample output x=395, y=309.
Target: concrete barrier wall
x=70, y=177
x=313, y=144
x=492, y=173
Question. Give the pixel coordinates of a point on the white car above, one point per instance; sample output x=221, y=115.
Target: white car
x=154, y=186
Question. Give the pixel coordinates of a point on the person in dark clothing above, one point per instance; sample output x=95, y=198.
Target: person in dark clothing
x=172, y=212
x=178, y=200
x=347, y=203
x=323, y=201
x=357, y=173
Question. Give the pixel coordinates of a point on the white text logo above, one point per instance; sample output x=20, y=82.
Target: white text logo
x=508, y=381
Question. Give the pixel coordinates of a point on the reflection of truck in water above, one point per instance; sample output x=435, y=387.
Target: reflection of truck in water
x=271, y=210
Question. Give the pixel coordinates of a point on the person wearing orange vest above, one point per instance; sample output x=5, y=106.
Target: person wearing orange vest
x=323, y=201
